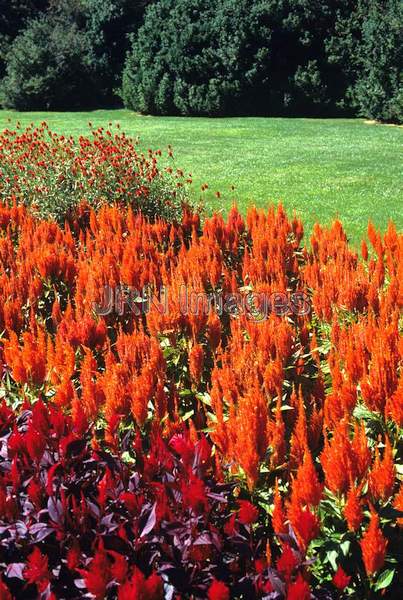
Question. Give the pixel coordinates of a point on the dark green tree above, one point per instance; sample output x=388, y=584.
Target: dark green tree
x=47, y=67
x=108, y=24
x=368, y=48
x=268, y=57
x=265, y=57
x=273, y=57
x=301, y=71
x=14, y=15
x=71, y=56
x=198, y=57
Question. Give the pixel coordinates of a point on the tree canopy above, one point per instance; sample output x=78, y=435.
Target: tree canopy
x=194, y=57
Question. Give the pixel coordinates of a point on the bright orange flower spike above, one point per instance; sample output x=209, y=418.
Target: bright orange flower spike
x=196, y=362
x=304, y=522
x=306, y=486
x=382, y=475
x=373, y=546
x=353, y=509
x=338, y=460
x=394, y=405
x=299, y=437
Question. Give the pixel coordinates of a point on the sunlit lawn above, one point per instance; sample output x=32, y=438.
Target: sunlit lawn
x=321, y=168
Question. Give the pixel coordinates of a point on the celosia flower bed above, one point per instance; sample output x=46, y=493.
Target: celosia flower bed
x=150, y=451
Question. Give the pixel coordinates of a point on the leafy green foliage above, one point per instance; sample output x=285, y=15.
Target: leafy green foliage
x=14, y=15
x=368, y=47
x=212, y=67
x=378, y=91
x=107, y=25
x=273, y=58
x=70, y=56
x=231, y=58
x=47, y=66
x=191, y=57
x=68, y=176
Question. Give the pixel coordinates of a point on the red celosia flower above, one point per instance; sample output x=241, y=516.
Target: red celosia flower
x=35, y=492
x=307, y=527
x=382, y=476
x=341, y=579
x=16, y=443
x=194, y=494
x=260, y=565
x=119, y=567
x=37, y=570
x=98, y=575
x=35, y=443
x=196, y=362
x=132, y=502
x=373, y=546
x=306, y=485
x=247, y=512
x=183, y=446
x=141, y=588
x=104, y=488
x=40, y=417
x=5, y=593
x=304, y=522
x=218, y=591
x=299, y=590
x=353, y=509
x=51, y=475
x=287, y=562
x=73, y=556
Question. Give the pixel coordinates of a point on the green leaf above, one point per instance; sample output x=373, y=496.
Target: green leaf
x=332, y=558
x=188, y=415
x=385, y=579
x=399, y=469
x=205, y=398
x=345, y=547
x=212, y=417
x=127, y=458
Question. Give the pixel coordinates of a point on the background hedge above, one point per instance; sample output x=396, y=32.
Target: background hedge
x=192, y=57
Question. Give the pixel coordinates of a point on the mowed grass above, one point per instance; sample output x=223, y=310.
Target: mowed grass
x=320, y=168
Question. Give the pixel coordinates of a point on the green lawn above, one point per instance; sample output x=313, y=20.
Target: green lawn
x=321, y=168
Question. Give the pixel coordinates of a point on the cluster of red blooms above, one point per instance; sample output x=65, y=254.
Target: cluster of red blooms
x=78, y=520
x=288, y=402
x=53, y=173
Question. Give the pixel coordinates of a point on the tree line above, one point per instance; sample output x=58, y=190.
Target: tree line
x=196, y=57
